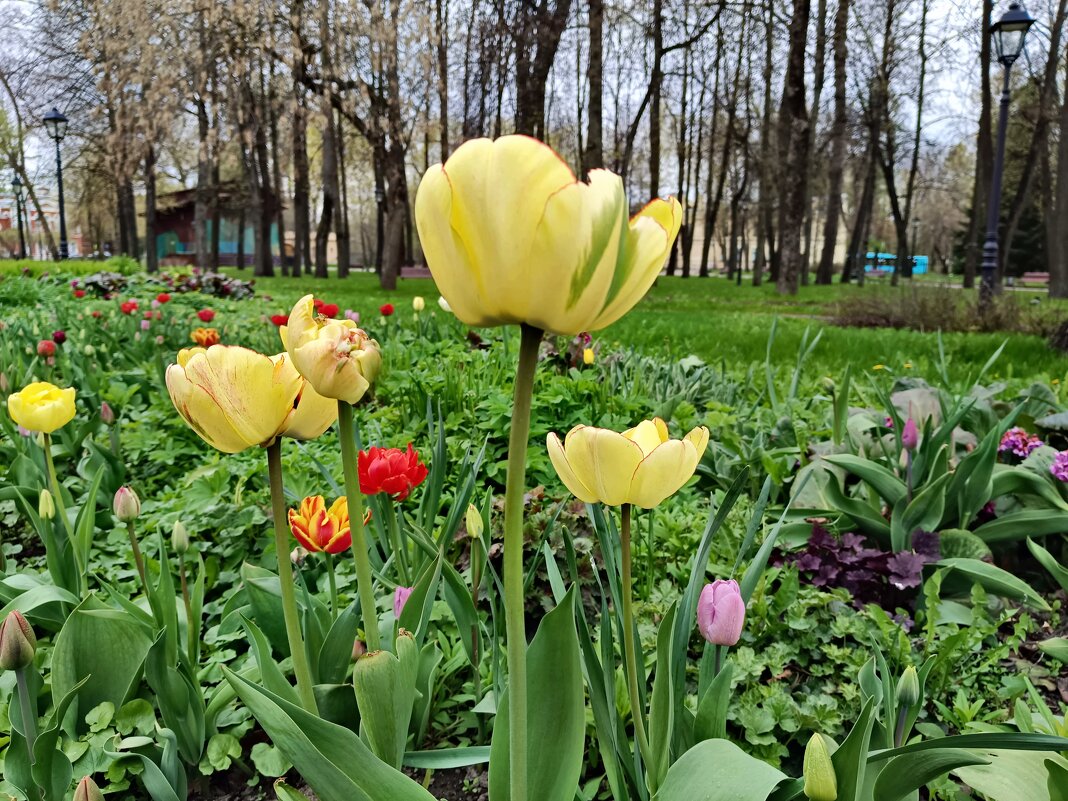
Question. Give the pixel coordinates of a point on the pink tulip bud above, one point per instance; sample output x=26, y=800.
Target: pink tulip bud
x=107, y=414
x=400, y=598
x=88, y=790
x=127, y=505
x=910, y=435
x=18, y=644
x=721, y=612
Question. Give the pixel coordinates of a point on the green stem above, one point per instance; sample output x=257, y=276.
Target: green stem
x=29, y=720
x=61, y=511
x=138, y=559
x=285, y=579
x=398, y=540
x=514, y=600
x=368, y=605
x=333, y=584
x=190, y=626
x=630, y=646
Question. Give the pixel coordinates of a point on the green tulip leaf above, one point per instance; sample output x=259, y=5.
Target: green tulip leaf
x=448, y=758
x=556, y=714
x=995, y=580
x=1013, y=775
x=849, y=759
x=889, y=487
x=287, y=793
x=711, y=720
x=1057, y=781
x=1048, y=561
x=1023, y=524
x=905, y=774
x=385, y=693
x=718, y=770
x=335, y=762
x=1057, y=647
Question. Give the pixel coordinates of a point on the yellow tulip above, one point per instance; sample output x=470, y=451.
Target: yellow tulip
x=642, y=466
x=511, y=236
x=41, y=406
x=336, y=356
x=236, y=398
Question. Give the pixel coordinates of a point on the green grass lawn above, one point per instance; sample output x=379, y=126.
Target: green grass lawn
x=718, y=321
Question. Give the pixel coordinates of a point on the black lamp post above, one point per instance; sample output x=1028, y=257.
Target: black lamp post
x=380, y=199
x=56, y=125
x=1008, y=34
x=16, y=190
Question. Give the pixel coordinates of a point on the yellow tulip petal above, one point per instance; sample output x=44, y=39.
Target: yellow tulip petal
x=604, y=460
x=202, y=414
x=563, y=469
x=41, y=406
x=313, y=414
x=648, y=244
x=699, y=438
x=648, y=434
x=663, y=472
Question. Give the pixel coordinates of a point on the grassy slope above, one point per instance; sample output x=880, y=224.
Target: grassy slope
x=716, y=320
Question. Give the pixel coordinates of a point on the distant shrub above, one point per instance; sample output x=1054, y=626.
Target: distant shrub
x=71, y=267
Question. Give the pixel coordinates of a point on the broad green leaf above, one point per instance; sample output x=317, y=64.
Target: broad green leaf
x=1013, y=775
x=336, y=654
x=867, y=519
x=1048, y=561
x=385, y=692
x=105, y=646
x=711, y=720
x=1020, y=525
x=985, y=741
x=287, y=793
x=718, y=770
x=850, y=758
x=270, y=674
x=1011, y=480
x=905, y=774
x=447, y=758
x=1058, y=781
x=1057, y=647
x=888, y=486
x=336, y=763
x=994, y=579
x=556, y=714
x=662, y=704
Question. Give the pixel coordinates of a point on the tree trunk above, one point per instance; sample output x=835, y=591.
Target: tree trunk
x=202, y=198
x=1058, y=283
x=793, y=144
x=151, y=253
x=302, y=258
x=818, y=80
x=536, y=33
x=984, y=156
x=593, y=157
x=441, y=8
x=341, y=211
x=656, y=80
x=836, y=168
x=276, y=164
x=854, y=261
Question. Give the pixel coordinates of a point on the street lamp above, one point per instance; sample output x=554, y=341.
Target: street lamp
x=56, y=125
x=1008, y=34
x=380, y=199
x=16, y=190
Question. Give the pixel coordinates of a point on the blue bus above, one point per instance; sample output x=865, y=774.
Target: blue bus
x=885, y=262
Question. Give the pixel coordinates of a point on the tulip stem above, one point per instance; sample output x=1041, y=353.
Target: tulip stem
x=61, y=510
x=29, y=713
x=285, y=579
x=332, y=579
x=514, y=598
x=368, y=606
x=190, y=626
x=630, y=646
x=138, y=559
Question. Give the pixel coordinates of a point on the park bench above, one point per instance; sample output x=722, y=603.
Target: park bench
x=414, y=271
x=1035, y=278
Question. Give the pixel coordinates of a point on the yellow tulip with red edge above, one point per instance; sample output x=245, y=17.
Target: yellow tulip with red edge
x=236, y=398
x=42, y=406
x=512, y=236
x=337, y=357
x=319, y=528
x=640, y=466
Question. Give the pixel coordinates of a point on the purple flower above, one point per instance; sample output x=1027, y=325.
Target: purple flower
x=910, y=435
x=146, y=324
x=352, y=315
x=1059, y=468
x=400, y=598
x=1019, y=443
x=721, y=612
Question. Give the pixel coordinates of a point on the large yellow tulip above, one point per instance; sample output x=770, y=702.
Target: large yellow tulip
x=335, y=356
x=642, y=466
x=236, y=398
x=511, y=236
x=41, y=406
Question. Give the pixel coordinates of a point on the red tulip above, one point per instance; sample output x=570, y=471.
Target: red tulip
x=390, y=470
x=329, y=310
x=79, y=293
x=280, y=319
x=128, y=306
x=206, y=315
x=386, y=309
x=163, y=297
x=59, y=337
x=317, y=303
x=46, y=348
x=95, y=313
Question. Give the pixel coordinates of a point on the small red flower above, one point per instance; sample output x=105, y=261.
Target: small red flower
x=128, y=306
x=79, y=293
x=390, y=470
x=46, y=348
x=280, y=319
x=163, y=297
x=386, y=309
x=206, y=315
x=317, y=303
x=59, y=337
x=95, y=313
x=329, y=310
x=148, y=315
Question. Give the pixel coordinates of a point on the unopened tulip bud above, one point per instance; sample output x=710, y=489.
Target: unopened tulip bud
x=18, y=643
x=910, y=435
x=821, y=784
x=474, y=522
x=444, y=304
x=127, y=505
x=46, y=505
x=298, y=555
x=5, y=385
x=40, y=439
x=908, y=688
x=88, y=790
x=827, y=385
x=107, y=414
x=400, y=598
x=588, y=356
x=418, y=304
x=721, y=612
x=179, y=538
x=358, y=649
x=89, y=350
